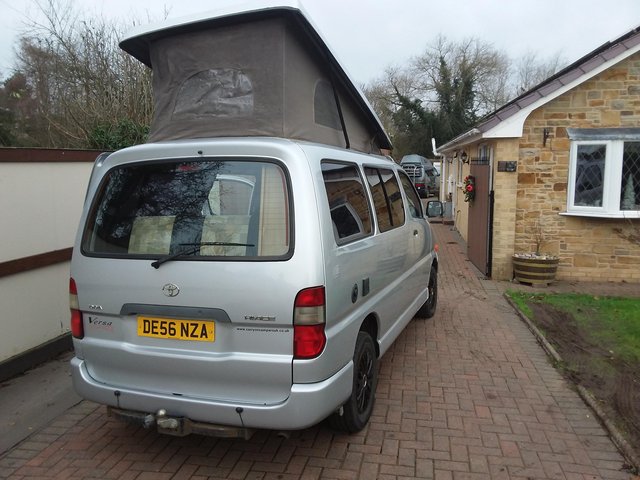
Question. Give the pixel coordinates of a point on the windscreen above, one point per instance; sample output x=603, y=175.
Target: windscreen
x=225, y=209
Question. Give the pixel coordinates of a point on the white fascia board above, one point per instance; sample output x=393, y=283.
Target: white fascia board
x=512, y=127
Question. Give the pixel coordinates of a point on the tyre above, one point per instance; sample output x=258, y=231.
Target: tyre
x=357, y=409
x=428, y=310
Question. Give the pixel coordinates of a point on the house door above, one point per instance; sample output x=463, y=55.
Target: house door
x=478, y=245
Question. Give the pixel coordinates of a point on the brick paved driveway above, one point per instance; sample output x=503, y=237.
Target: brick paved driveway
x=468, y=394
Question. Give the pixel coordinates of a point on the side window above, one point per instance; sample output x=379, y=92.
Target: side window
x=387, y=199
x=348, y=204
x=413, y=200
x=230, y=195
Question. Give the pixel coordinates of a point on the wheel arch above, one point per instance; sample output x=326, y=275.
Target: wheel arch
x=370, y=325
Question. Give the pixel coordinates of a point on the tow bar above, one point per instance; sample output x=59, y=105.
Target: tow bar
x=178, y=426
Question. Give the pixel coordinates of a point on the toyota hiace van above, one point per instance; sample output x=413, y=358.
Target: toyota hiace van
x=222, y=283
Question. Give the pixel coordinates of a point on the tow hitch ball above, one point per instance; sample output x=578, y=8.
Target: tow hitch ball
x=166, y=423
x=169, y=425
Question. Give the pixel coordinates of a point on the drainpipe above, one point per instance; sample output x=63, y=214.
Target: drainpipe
x=443, y=174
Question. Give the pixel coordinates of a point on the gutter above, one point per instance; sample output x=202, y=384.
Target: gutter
x=464, y=139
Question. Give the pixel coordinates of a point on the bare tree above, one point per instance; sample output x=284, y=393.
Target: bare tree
x=85, y=86
x=489, y=67
x=457, y=82
x=383, y=93
x=530, y=70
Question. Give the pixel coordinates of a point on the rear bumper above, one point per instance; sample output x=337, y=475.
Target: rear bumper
x=307, y=404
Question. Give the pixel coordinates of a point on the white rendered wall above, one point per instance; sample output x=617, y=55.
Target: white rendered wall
x=40, y=206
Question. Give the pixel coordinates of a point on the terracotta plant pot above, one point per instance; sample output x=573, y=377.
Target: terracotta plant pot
x=534, y=270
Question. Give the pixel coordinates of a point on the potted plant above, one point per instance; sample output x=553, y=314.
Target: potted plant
x=535, y=268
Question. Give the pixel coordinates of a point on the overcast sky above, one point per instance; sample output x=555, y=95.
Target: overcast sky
x=369, y=35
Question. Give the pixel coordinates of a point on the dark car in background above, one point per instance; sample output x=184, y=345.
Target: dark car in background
x=423, y=174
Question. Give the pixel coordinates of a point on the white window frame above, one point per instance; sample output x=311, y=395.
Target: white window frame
x=612, y=182
x=460, y=166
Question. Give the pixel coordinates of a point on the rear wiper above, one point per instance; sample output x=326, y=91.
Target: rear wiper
x=195, y=247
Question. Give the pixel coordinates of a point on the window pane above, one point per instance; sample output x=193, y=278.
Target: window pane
x=348, y=203
x=415, y=207
x=590, y=165
x=387, y=199
x=164, y=208
x=392, y=189
x=630, y=188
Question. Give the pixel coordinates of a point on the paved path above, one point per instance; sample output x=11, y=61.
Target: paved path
x=466, y=395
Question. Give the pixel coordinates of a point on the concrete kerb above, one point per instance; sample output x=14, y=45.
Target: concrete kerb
x=621, y=443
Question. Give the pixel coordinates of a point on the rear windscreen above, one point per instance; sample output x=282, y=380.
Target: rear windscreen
x=206, y=208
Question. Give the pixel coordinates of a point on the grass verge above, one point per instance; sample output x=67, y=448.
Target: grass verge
x=598, y=339
x=609, y=322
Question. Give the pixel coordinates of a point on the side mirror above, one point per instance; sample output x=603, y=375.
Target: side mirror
x=435, y=208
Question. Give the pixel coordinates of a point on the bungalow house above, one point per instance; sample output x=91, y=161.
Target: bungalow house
x=561, y=164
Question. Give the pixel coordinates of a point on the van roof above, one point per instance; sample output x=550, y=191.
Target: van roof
x=153, y=45
x=414, y=158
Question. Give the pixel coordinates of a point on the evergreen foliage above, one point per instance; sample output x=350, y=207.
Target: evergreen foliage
x=443, y=92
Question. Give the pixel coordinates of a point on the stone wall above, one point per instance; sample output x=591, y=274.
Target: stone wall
x=504, y=213
x=589, y=248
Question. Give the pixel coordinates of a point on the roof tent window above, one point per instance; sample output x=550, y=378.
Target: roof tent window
x=324, y=106
x=218, y=91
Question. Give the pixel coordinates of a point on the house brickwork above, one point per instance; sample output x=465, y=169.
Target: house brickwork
x=504, y=213
x=589, y=248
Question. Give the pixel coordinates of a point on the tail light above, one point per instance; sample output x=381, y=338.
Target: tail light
x=308, y=323
x=77, y=329
x=419, y=185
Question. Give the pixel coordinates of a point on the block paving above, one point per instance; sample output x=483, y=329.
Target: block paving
x=466, y=395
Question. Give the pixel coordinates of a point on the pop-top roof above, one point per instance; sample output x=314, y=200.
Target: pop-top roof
x=261, y=70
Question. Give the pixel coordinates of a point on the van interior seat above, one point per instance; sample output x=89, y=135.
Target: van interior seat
x=151, y=235
x=225, y=228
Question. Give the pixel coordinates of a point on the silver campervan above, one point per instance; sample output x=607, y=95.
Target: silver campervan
x=248, y=267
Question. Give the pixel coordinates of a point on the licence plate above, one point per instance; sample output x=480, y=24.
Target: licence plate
x=199, y=330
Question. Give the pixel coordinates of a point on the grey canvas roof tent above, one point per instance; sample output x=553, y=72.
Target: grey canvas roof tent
x=260, y=71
